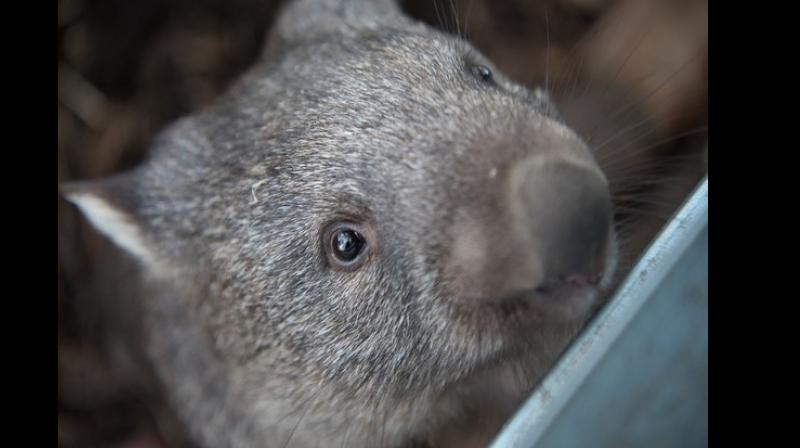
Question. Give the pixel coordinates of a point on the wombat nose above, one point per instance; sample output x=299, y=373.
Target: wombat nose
x=564, y=210
x=545, y=223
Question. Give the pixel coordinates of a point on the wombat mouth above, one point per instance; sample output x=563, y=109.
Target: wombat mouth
x=563, y=294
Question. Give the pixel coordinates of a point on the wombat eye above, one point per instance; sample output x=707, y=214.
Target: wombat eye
x=345, y=246
x=482, y=72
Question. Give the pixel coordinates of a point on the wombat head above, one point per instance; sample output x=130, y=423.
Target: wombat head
x=373, y=210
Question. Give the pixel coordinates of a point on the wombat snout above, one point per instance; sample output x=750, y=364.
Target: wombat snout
x=551, y=226
x=567, y=210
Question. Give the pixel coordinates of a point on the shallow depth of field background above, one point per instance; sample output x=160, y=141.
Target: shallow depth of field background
x=629, y=75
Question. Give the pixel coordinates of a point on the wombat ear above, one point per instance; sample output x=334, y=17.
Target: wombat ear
x=111, y=209
x=310, y=19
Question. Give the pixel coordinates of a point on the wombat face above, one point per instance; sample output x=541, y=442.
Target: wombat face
x=382, y=212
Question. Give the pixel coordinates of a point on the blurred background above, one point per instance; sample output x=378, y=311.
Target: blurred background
x=631, y=76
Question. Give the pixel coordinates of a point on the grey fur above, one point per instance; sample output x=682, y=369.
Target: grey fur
x=354, y=112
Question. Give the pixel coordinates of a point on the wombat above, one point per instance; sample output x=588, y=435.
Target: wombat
x=374, y=238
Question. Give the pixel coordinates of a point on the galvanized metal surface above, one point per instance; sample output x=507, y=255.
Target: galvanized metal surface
x=638, y=375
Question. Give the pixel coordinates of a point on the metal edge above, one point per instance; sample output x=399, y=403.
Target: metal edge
x=530, y=422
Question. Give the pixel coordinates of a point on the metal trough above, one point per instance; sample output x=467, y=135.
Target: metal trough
x=637, y=376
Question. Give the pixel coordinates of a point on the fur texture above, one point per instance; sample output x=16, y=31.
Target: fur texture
x=355, y=113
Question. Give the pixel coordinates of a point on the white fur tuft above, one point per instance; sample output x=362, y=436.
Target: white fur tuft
x=113, y=223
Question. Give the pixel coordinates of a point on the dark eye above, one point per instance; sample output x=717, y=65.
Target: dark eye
x=482, y=72
x=345, y=246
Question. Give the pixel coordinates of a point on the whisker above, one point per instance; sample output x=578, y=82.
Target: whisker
x=613, y=160
x=657, y=89
x=466, y=19
x=620, y=133
x=583, y=39
x=302, y=416
x=439, y=16
x=547, y=51
x=455, y=18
